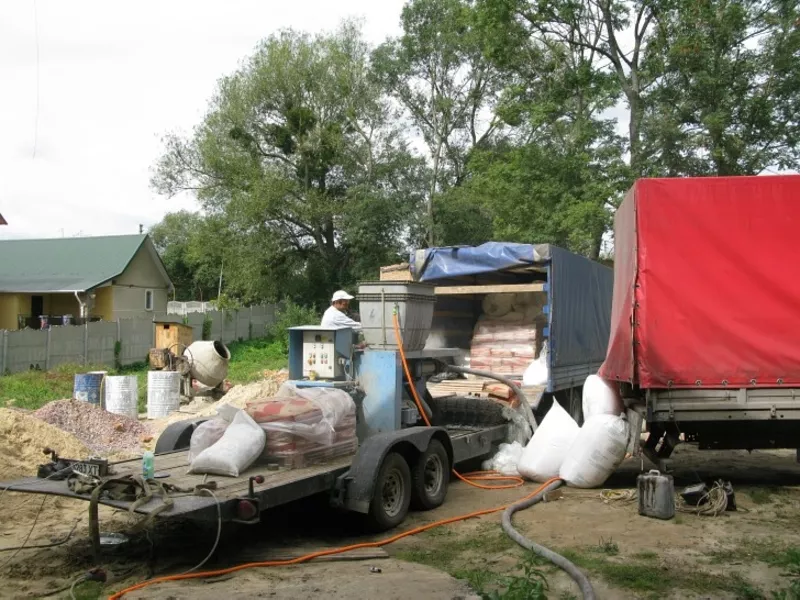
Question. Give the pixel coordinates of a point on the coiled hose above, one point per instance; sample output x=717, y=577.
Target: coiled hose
x=569, y=568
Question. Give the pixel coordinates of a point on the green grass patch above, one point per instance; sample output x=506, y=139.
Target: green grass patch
x=767, y=494
x=446, y=551
x=646, y=578
x=646, y=555
x=33, y=389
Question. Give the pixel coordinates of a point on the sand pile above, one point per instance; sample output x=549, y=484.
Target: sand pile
x=22, y=439
x=101, y=431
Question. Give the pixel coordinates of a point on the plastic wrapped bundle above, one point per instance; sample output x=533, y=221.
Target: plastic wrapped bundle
x=306, y=426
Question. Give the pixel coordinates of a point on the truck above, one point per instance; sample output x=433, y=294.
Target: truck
x=706, y=312
x=399, y=463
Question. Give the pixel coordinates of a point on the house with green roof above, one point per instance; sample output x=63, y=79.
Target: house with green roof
x=73, y=280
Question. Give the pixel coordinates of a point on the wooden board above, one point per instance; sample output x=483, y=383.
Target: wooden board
x=511, y=288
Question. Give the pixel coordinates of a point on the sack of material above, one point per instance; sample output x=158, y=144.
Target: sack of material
x=240, y=445
x=537, y=372
x=206, y=435
x=543, y=456
x=506, y=460
x=596, y=451
x=601, y=397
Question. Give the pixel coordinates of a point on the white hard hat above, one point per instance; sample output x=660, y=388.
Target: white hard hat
x=341, y=295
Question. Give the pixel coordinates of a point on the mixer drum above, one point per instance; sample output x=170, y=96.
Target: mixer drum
x=209, y=362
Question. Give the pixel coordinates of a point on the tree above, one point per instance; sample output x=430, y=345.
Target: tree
x=301, y=161
x=439, y=74
x=728, y=97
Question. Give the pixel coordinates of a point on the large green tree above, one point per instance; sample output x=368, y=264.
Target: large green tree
x=447, y=87
x=303, y=164
x=728, y=95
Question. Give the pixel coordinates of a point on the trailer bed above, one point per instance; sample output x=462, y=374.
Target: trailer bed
x=279, y=487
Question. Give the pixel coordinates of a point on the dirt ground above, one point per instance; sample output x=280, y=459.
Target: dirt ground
x=749, y=554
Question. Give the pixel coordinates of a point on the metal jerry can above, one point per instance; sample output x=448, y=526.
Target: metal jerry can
x=656, y=495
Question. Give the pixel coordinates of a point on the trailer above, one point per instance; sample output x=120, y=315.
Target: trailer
x=706, y=312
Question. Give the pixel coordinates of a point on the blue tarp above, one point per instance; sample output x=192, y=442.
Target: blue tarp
x=456, y=261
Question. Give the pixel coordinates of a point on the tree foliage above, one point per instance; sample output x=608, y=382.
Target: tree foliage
x=322, y=158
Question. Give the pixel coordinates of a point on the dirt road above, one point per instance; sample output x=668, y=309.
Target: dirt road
x=743, y=554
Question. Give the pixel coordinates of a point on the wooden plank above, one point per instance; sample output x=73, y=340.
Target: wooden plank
x=513, y=288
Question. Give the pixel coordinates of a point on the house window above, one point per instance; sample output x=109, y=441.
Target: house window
x=148, y=300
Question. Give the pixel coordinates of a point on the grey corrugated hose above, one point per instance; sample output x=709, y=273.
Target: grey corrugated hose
x=574, y=572
x=514, y=388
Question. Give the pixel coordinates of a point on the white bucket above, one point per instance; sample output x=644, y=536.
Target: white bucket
x=122, y=395
x=163, y=393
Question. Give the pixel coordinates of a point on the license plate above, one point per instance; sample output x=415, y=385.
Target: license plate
x=91, y=469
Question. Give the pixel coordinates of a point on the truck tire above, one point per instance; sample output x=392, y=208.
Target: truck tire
x=466, y=411
x=430, y=477
x=392, y=497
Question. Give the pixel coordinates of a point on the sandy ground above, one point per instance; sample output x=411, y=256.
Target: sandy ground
x=626, y=555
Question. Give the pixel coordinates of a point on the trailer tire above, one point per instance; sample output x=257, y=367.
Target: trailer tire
x=392, y=495
x=466, y=411
x=430, y=477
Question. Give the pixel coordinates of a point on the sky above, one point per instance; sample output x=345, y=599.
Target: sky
x=80, y=133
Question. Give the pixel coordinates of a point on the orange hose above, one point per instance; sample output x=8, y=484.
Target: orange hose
x=469, y=478
x=308, y=557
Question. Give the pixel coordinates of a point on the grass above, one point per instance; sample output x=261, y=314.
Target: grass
x=33, y=389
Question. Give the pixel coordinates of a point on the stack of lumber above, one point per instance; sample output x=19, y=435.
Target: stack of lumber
x=401, y=272
x=481, y=388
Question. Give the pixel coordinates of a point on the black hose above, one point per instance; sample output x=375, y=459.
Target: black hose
x=514, y=387
x=574, y=572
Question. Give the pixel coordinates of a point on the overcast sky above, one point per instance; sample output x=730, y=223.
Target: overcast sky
x=112, y=78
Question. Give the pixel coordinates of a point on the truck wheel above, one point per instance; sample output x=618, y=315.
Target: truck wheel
x=466, y=411
x=392, y=496
x=430, y=477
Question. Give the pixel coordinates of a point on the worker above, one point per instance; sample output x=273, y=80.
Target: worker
x=335, y=314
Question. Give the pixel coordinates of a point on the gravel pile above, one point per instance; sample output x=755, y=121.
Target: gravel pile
x=22, y=439
x=102, y=432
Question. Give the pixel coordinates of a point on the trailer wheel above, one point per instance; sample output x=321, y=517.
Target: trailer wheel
x=466, y=411
x=430, y=477
x=390, y=502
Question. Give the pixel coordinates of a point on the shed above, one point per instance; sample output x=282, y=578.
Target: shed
x=173, y=336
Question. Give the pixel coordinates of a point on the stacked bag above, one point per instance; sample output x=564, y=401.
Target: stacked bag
x=506, y=336
x=299, y=427
x=582, y=456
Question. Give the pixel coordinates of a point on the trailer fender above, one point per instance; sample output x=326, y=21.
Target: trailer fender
x=355, y=488
x=177, y=436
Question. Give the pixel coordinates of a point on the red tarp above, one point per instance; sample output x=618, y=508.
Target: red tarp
x=707, y=283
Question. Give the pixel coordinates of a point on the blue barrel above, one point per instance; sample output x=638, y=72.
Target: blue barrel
x=87, y=387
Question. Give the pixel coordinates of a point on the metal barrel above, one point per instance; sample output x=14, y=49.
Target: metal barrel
x=163, y=393
x=122, y=395
x=87, y=387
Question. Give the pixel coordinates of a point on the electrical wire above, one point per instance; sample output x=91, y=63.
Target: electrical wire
x=219, y=533
x=53, y=545
x=36, y=520
x=321, y=553
x=618, y=495
x=711, y=504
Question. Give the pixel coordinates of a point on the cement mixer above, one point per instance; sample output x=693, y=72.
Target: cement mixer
x=204, y=361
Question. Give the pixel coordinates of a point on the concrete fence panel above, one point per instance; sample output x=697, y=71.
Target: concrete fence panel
x=67, y=345
x=195, y=321
x=136, y=337
x=216, y=324
x=229, y=326
x=102, y=338
x=26, y=348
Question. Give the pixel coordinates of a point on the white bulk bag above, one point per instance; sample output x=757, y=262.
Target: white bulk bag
x=542, y=458
x=601, y=397
x=237, y=449
x=596, y=451
x=497, y=305
x=537, y=372
x=506, y=460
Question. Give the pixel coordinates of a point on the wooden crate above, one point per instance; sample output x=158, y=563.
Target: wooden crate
x=173, y=336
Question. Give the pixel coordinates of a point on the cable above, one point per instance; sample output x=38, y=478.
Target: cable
x=574, y=572
x=219, y=532
x=53, y=545
x=313, y=555
x=618, y=495
x=36, y=520
x=714, y=502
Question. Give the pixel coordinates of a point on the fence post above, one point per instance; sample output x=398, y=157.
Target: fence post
x=236, y=326
x=250, y=325
x=4, y=355
x=47, y=350
x=86, y=343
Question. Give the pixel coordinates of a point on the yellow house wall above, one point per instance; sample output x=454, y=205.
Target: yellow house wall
x=104, y=303
x=9, y=309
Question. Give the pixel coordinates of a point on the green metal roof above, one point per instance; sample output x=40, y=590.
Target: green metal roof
x=66, y=264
